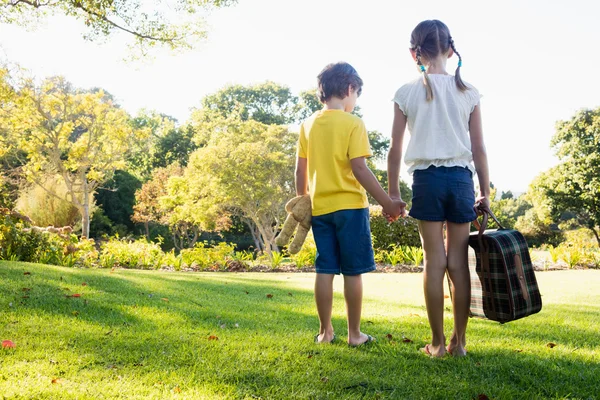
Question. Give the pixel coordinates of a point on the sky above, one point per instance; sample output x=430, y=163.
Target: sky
x=535, y=62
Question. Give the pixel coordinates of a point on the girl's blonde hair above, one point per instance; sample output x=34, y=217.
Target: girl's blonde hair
x=428, y=40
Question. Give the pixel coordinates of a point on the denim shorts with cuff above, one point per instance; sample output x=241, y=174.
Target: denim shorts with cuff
x=343, y=240
x=443, y=194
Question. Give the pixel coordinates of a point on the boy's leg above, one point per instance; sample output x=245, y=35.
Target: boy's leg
x=433, y=280
x=324, y=300
x=457, y=242
x=353, y=293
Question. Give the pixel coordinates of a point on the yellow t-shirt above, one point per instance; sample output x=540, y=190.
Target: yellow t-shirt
x=329, y=139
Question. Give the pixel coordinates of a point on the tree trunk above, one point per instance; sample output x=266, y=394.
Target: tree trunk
x=147, y=226
x=268, y=239
x=85, y=217
x=596, y=234
x=254, y=233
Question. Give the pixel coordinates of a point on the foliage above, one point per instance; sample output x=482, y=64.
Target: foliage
x=174, y=24
x=268, y=103
x=46, y=209
x=207, y=257
x=402, y=232
x=246, y=167
x=80, y=136
x=574, y=185
x=124, y=253
x=508, y=209
x=18, y=242
x=117, y=198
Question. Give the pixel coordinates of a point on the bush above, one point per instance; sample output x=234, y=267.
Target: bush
x=205, y=257
x=18, y=242
x=403, y=232
x=131, y=254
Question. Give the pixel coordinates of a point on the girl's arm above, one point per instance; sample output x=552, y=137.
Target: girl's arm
x=395, y=153
x=479, y=155
x=301, y=176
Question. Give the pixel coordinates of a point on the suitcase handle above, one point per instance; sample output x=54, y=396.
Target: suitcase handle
x=486, y=212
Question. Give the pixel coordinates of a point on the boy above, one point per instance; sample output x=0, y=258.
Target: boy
x=331, y=154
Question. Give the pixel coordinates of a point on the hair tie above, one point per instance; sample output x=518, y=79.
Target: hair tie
x=460, y=63
x=422, y=68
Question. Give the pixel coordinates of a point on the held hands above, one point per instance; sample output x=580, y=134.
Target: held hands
x=395, y=209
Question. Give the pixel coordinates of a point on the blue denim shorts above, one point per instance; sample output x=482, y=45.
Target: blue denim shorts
x=443, y=194
x=343, y=240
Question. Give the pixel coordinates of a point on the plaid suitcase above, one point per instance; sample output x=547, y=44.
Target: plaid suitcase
x=503, y=284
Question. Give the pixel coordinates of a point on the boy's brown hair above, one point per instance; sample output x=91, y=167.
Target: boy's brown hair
x=335, y=79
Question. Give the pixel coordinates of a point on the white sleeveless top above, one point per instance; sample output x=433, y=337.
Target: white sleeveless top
x=439, y=129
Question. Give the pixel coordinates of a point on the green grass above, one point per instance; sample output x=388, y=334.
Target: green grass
x=120, y=339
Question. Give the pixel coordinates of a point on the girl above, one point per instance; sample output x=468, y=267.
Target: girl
x=444, y=120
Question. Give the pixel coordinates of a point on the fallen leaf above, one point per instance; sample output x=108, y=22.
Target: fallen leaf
x=176, y=389
x=237, y=325
x=76, y=295
x=247, y=292
x=413, y=315
x=108, y=333
x=8, y=344
x=519, y=351
x=213, y=337
x=56, y=381
x=290, y=294
x=24, y=297
x=223, y=326
x=53, y=362
x=26, y=289
x=66, y=288
x=84, y=284
x=478, y=364
x=26, y=273
x=218, y=317
x=446, y=296
x=138, y=365
x=75, y=313
x=482, y=397
x=324, y=379
x=310, y=356
x=406, y=340
x=551, y=345
x=269, y=296
x=164, y=299
x=389, y=336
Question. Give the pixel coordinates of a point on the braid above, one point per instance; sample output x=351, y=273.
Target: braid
x=426, y=82
x=459, y=82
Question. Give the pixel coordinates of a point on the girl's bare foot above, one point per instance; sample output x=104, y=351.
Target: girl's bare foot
x=457, y=347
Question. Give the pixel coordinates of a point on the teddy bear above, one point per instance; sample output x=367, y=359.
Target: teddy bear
x=299, y=214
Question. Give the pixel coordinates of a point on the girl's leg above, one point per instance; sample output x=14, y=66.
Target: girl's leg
x=353, y=294
x=457, y=242
x=324, y=300
x=432, y=238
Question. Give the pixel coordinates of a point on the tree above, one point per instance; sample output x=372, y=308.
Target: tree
x=117, y=197
x=574, y=185
x=77, y=135
x=246, y=167
x=174, y=24
x=268, y=103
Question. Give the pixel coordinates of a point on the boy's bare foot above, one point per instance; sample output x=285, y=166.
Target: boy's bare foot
x=360, y=340
x=434, y=351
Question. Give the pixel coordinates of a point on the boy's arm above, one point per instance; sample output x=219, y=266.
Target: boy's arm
x=479, y=155
x=395, y=152
x=366, y=178
x=301, y=176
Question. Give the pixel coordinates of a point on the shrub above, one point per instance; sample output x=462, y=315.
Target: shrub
x=18, y=242
x=131, y=254
x=413, y=255
x=206, y=257
x=402, y=232
x=571, y=255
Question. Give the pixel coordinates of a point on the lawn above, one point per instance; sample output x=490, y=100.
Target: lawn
x=161, y=335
